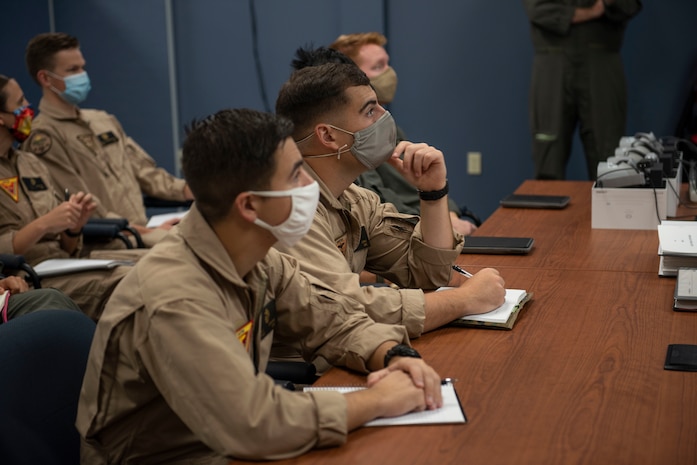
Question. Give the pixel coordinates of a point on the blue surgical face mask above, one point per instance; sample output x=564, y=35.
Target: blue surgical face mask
x=77, y=86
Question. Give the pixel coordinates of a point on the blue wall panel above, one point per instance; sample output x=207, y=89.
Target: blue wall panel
x=464, y=68
x=464, y=72
x=21, y=21
x=124, y=44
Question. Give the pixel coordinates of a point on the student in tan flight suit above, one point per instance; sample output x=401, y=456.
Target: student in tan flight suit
x=88, y=150
x=342, y=131
x=368, y=51
x=176, y=369
x=36, y=222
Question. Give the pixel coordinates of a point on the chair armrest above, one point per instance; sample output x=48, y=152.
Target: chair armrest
x=100, y=230
x=154, y=202
x=17, y=262
x=293, y=372
x=121, y=224
x=94, y=231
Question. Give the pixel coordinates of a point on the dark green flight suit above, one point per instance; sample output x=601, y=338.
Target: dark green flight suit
x=577, y=79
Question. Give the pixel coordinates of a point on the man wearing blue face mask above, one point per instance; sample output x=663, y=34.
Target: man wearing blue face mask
x=342, y=131
x=88, y=150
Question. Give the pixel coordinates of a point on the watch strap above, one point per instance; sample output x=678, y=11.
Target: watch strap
x=435, y=195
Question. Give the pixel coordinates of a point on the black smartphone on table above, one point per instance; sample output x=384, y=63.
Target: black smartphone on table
x=535, y=201
x=497, y=245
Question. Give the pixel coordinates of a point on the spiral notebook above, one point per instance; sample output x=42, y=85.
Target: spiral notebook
x=59, y=266
x=450, y=412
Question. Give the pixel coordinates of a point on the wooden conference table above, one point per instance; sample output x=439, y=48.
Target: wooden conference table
x=579, y=379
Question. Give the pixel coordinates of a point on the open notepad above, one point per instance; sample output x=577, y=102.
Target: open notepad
x=450, y=412
x=59, y=266
x=503, y=317
x=157, y=220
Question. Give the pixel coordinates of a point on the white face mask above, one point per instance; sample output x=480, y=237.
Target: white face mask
x=302, y=213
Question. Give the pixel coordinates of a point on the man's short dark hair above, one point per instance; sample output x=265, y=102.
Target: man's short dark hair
x=230, y=152
x=3, y=94
x=313, y=92
x=41, y=51
x=310, y=56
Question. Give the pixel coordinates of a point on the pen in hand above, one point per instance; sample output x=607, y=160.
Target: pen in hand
x=462, y=272
x=67, y=194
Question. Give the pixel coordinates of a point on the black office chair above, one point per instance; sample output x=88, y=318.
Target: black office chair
x=111, y=228
x=154, y=202
x=11, y=264
x=290, y=373
x=44, y=355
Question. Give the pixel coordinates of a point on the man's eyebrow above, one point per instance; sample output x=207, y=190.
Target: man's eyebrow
x=367, y=104
x=296, y=167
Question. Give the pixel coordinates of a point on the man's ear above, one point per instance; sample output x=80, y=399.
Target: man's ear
x=43, y=78
x=246, y=206
x=326, y=135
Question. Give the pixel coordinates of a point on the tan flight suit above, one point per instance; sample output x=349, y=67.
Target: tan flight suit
x=92, y=153
x=176, y=370
x=26, y=193
x=357, y=232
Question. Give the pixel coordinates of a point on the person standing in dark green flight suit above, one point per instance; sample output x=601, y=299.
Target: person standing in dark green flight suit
x=577, y=79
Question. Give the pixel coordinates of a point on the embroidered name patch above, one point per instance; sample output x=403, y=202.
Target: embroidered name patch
x=34, y=184
x=107, y=138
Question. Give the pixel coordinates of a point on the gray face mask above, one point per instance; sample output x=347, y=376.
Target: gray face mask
x=373, y=145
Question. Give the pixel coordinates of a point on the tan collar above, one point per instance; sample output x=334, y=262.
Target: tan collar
x=57, y=112
x=325, y=194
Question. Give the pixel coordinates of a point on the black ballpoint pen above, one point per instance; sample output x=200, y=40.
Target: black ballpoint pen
x=461, y=271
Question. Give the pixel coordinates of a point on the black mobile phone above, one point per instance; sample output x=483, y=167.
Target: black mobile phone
x=681, y=357
x=535, y=201
x=497, y=245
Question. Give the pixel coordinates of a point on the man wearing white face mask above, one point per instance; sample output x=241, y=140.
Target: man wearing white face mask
x=88, y=150
x=342, y=131
x=181, y=350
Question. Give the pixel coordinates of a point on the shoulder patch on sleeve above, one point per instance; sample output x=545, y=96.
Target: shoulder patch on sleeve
x=39, y=142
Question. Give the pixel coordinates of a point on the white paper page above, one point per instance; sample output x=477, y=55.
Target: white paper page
x=58, y=266
x=450, y=412
x=157, y=220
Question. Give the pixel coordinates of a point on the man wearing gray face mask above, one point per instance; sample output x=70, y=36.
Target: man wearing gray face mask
x=367, y=50
x=342, y=131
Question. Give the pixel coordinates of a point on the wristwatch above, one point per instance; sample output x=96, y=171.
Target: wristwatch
x=400, y=350
x=434, y=195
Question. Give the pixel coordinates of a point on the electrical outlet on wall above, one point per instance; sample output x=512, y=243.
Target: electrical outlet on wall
x=474, y=163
